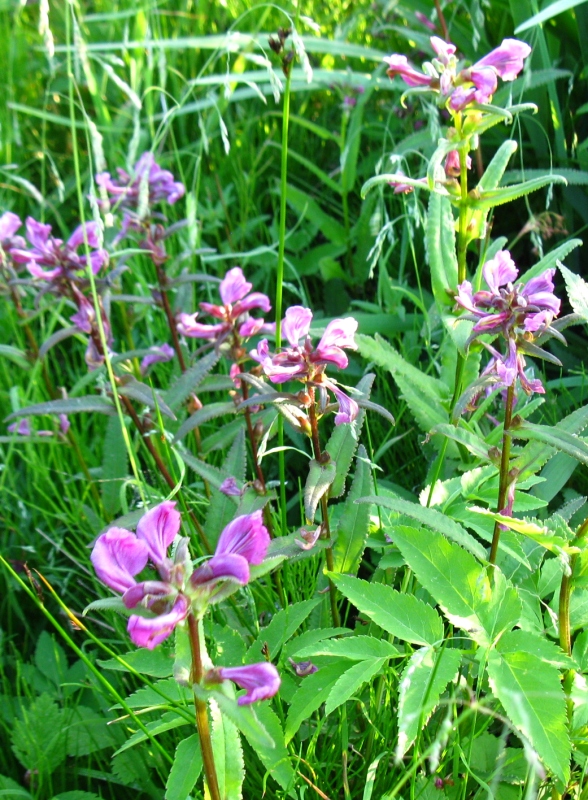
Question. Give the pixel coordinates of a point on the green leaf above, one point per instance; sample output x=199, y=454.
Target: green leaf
x=189, y=381
x=423, y=680
x=434, y=519
x=547, y=13
x=167, y=722
x=310, y=695
x=228, y=754
x=474, y=443
x=532, y=695
x=320, y=477
x=355, y=648
x=577, y=291
x=18, y=357
x=275, y=759
x=284, y=625
x=561, y=440
x=304, y=204
x=50, y=659
x=114, y=466
x=392, y=178
x=207, y=472
x=497, y=197
x=353, y=524
x=536, y=453
x=550, y=261
x=536, y=645
x=343, y=441
x=38, y=746
x=158, y=663
x=497, y=166
x=440, y=240
x=204, y=414
x=424, y=395
x=402, y=615
x=71, y=405
x=243, y=717
x=351, y=681
x=185, y=770
x=145, y=394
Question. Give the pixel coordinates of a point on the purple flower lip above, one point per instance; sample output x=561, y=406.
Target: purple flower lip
x=162, y=353
x=261, y=681
x=238, y=301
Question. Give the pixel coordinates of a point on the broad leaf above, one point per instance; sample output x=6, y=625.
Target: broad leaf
x=284, y=624
x=531, y=692
x=353, y=524
x=185, y=770
x=423, y=680
x=402, y=615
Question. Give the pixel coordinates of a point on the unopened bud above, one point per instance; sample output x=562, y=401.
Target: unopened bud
x=194, y=404
x=258, y=430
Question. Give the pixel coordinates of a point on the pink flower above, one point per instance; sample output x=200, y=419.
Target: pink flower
x=117, y=557
x=62, y=257
x=230, y=487
x=452, y=165
x=161, y=353
x=261, y=681
x=424, y=20
x=148, y=179
x=234, y=313
x=9, y=224
x=398, y=65
x=506, y=60
x=150, y=631
x=443, y=50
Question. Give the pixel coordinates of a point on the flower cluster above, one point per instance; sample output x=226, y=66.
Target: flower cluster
x=62, y=258
x=119, y=555
x=302, y=361
x=517, y=311
x=475, y=84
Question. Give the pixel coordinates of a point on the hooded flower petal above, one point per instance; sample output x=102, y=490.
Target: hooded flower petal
x=296, y=324
x=158, y=528
x=461, y=97
x=247, y=536
x=9, y=224
x=485, y=81
x=227, y=567
x=499, y=271
x=443, y=50
x=398, y=65
x=253, y=300
x=117, y=557
x=89, y=230
x=230, y=487
x=261, y=681
x=187, y=326
x=151, y=631
x=23, y=428
x=233, y=286
x=539, y=292
x=160, y=354
x=339, y=333
x=147, y=589
x=348, y=408
x=507, y=59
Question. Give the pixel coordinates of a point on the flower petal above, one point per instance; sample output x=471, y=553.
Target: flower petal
x=398, y=65
x=151, y=631
x=507, y=59
x=253, y=300
x=296, y=324
x=234, y=286
x=261, y=681
x=348, y=408
x=154, y=589
x=117, y=557
x=158, y=528
x=499, y=271
x=247, y=536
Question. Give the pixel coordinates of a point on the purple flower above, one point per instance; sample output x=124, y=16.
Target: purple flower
x=148, y=184
x=23, y=428
x=158, y=528
x=117, y=557
x=261, y=681
x=158, y=354
x=303, y=668
x=9, y=224
x=62, y=258
x=443, y=50
x=398, y=65
x=452, y=164
x=303, y=362
x=234, y=313
x=151, y=631
x=230, y=487
x=506, y=60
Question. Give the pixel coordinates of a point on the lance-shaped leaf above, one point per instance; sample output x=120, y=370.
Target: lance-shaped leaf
x=577, y=291
x=226, y=746
x=353, y=524
x=435, y=171
x=402, y=615
x=204, y=414
x=476, y=224
x=532, y=695
x=474, y=443
x=310, y=695
x=538, y=533
x=59, y=336
x=275, y=759
x=320, y=477
x=144, y=394
x=185, y=770
x=538, y=352
x=207, y=472
x=354, y=648
x=497, y=197
x=550, y=260
x=561, y=440
x=536, y=453
x=343, y=441
x=190, y=380
x=70, y=405
x=423, y=680
x=441, y=251
x=351, y=681
x=433, y=518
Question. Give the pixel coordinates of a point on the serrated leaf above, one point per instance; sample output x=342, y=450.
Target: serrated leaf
x=545, y=649
x=40, y=747
x=158, y=663
x=577, y=291
x=343, y=441
x=71, y=405
x=114, y=467
x=474, y=443
x=497, y=166
x=320, y=477
x=424, y=395
x=433, y=518
x=536, y=453
x=423, y=680
x=561, y=440
x=353, y=524
x=351, y=681
x=310, y=695
x=440, y=240
x=354, y=648
x=228, y=754
x=531, y=692
x=243, y=717
x=275, y=759
x=497, y=197
x=402, y=615
x=165, y=691
x=185, y=770
x=284, y=625
x=146, y=395
x=167, y=722
x=18, y=357
x=191, y=378
x=204, y=414
x=550, y=260
x=207, y=472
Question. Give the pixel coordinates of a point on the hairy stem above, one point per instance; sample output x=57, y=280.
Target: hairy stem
x=504, y=464
x=202, y=711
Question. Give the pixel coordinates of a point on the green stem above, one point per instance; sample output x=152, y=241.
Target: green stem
x=280, y=287
x=504, y=465
x=202, y=711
